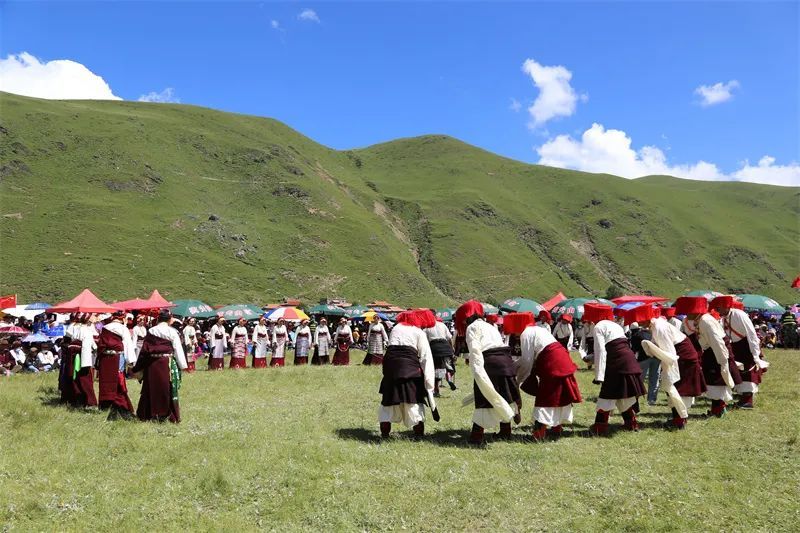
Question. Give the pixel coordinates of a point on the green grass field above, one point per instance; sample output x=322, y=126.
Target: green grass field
x=297, y=449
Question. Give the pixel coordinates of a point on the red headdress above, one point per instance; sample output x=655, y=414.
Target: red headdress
x=593, y=312
x=545, y=316
x=409, y=318
x=515, y=323
x=467, y=310
x=668, y=312
x=641, y=313
x=567, y=318
x=736, y=304
x=721, y=302
x=425, y=318
x=691, y=305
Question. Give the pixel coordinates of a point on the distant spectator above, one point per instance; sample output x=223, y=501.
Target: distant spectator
x=46, y=360
x=30, y=361
x=789, y=330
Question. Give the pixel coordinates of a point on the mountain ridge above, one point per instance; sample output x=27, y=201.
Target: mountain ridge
x=421, y=220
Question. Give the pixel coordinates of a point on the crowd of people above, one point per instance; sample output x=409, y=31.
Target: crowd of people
x=693, y=349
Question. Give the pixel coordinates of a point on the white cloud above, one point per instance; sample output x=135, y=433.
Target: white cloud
x=717, y=93
x=275, y=24
x=309, y=15
x=610, y=151
x=515, y=105
x=166, y=96
x=58, y=79
x=556, y=97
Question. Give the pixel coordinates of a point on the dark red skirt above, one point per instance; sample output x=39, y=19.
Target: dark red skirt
x=85, y=387
x=155, y=401
x=691, y=382
x=402, y=377
x=238, y=362
x=300, y=360
x=69, y=389
x=112, y=387
x=623, y=377
x=216, y=363
x=259, y=362
x=741, y=353
x=277, y=361
x=711, y=369
x=341, y=357
x=552, y=379
x=558, y=392
x=372, y=359
x=319, y=360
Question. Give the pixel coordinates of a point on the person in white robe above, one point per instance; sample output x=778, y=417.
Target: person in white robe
x=219, y=343
x=138, y=334
x=190, y=343
x=279, y=338
x=563, y=331
x=261, y=342
x=377, y=339
x=441, y=342
x=239, y=337
x=322, y=343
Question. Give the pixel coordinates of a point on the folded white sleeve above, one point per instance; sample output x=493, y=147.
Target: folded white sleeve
x=475, y=345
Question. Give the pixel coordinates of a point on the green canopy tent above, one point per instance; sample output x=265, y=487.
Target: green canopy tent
x=192, y=308
x=447, y=314
x=327, y=310
x=762, y=304
x=237, y=311
x=574, y=306
x=355, y=310
x=521, y=305
x=489, y=309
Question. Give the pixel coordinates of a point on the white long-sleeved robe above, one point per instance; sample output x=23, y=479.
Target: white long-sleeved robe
x=162, y=330
x=482, y=336
x=675, y=321
x=85, y=334
x=604, y=332
x=322, y=340
x=544, y=325
x=665, y=336
x=376, y=339
x=261, y=340
x=587, y=331
x=737, y=326
x=532, y=341
x=562, y=330
x=344, y=331
x=190, y=337
x=410, y=414
x=279, y=338
x=138, y=335
x=128, y=347
x=218, y=346
x=711, y=335
x=439, y=331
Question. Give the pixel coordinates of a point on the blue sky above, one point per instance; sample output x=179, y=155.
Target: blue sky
x=626, y=99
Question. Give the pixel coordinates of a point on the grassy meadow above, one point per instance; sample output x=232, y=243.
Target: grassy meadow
x=297, y=449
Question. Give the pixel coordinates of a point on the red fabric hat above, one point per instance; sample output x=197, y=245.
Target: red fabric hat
x=467, y=310
x=494, y=319
x=736, y=304
x=668, y=312
x=691, y=305
x=544, y=316
x=721, y=302
x=593, y=312
x=409, y=318
x=641, y=313
x=567, y=318
x=515, y=323
x=425, y=318
x=713, y=312
x=656, y=312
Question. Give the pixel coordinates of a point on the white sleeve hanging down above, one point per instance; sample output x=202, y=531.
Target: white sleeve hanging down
x=167, y=332
x=741, y=326
x=605, y=331
x=86, y=335
x=476, y=343
x=528, y=357
x=425, y=359
x=128, y=346
x=711, y=335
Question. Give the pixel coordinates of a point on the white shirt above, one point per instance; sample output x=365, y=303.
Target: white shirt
x=439, y=331
x=19, y=355
x=563, y=330
x=303, y=330
x=405, y=335
x=139, y=333
x=321, y=328
x=666, y=336
x=544, y=325
x=675, y=322
x=85, y=334
x=46, y=357
x=128, y=346
x=260, y=329
x=218, y=329
x=164, y=331
x=278, y=330
x=711, y=335
x=238, y=331
x=531, y=342
x=739, y=326
x=344, y=331
x=605, y=331
x=482, y=336
x=189, y=336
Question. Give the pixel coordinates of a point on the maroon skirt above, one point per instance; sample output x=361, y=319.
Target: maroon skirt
x=259, y=362
x=402, y=377
x=85, y=387
x=712, y=372
x=692, y=382
x=216, y=363
x=318, y=359
x=552, y=379
x=499, y=367
x=238, y=362
x=342, y=355
x=372, y=359
x=69, y=389
x=277, y=361
x=623, y=377
x=742, y=354
x=112, y=387
x=300, y=359
x=155, y=401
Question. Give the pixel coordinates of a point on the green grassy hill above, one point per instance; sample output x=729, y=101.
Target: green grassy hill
x=124, y=197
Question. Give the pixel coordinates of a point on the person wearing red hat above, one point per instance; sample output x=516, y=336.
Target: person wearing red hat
x=440, y=340
x=160, y=362
x=669, y=314
x=719, y=369
x=495, y=384
x=115, y=348
x=563, y=331
x=681, y=374
x=616, y=370
x=544, y=320
x=745, y=346
x=546, y=371
x=408, y=376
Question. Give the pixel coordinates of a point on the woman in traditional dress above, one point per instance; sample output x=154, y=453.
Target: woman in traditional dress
x=84, y=372
x=139, y=332
x=279, y=338
x=343, y=338
x=190, y=343
x=377, y=339
x=302, y=343
x=239, y=345
x=439, y=338
x=219, y=343
x=322, y=343
x=261, y=343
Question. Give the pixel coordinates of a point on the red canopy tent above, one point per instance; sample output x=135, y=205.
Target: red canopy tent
x=555, y=300
x=85, y=302
x=639, y=298
x=155, y=301
x=158, y=301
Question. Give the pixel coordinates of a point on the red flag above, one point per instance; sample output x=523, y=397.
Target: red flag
x=796, y=283
x=8, y=301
